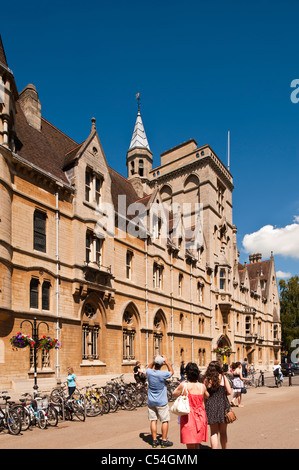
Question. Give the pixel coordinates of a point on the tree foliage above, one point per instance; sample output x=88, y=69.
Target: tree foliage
x=289, y=310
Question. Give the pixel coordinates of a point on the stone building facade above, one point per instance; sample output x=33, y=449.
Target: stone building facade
x=115, y=283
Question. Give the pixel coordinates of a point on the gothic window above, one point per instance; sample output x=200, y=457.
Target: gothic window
x=181, y=322
x=46, y=295
x=222, y=279
x=132, y=167
x=157, y=275
x=129, y=331
x=140, y=168
x=90, y=332
x=181, y=277
x=248, y=325
x=34, y=283
x=88, y=245
x=158, y=333
x=200, y=289
x=220, y=198
x=42, y=359
x=98, y=249
x=98, y=188
x=129, y=257
x=39, y=231
x=88, y=179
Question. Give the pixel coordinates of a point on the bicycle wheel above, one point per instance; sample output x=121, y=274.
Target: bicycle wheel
x=113, y=402
x=56, y=395
x=24, y=416
x=127, y=403
x=105, y=403
x=94, y=406
x=52, y=415
x=79, y=410
x=13, y=422
x=41, y=419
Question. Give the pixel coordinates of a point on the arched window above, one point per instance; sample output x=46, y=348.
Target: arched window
x=159, y=332
x=140, y=168
x=90, y=331
x=129, y=331
x=34, y=283
x=46, y=295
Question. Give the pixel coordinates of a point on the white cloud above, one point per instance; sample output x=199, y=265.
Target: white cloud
x=282, y=241
x=282, y=275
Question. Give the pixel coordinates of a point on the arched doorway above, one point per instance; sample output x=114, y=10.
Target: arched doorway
x=224, y=349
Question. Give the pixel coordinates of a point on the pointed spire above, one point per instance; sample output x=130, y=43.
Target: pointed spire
x=3, y=60
x=139, y=138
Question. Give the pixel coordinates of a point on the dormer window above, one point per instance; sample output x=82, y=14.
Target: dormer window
x=98, y=187
x=93, y=186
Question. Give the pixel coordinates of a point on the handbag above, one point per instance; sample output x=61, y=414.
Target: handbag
x=181, y=405
x=230, y=417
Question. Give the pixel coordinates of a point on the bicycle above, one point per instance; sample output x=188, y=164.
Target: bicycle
x=9, y=418
x=278, y=379
x=260, y=382
x=61, y=393
x=94, y=402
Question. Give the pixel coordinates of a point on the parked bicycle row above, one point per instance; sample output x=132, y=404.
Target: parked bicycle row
x=45, y=411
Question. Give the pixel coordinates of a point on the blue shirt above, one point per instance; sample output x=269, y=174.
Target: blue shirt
x=71, y=380
x=157, y=389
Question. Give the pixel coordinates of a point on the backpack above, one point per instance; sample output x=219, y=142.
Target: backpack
x=276, y=372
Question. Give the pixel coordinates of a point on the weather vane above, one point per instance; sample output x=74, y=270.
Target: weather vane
x=138, y=100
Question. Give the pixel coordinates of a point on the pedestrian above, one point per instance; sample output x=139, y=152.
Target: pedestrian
x=157, y=400
x=193, y=426
x=245, y=368
x=217, y=405
x=238, y=384
x=182, y=370
x=139, y=373
x=277, y=371
x=71, y=381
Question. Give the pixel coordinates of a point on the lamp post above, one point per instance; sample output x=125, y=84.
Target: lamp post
x=35, y=329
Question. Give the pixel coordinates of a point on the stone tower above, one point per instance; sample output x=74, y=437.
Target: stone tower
x=139, y=158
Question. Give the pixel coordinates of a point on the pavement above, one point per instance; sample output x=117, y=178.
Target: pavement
x=268, y=420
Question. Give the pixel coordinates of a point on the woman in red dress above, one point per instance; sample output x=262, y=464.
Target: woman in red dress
x=194, y=426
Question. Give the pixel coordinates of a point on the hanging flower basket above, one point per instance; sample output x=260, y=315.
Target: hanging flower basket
x=20, y=341
x=48, y=343
x=222, y=351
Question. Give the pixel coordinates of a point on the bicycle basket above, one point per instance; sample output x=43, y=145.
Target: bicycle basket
x=42, y=403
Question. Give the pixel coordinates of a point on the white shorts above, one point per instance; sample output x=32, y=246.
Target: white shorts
x=159, y=412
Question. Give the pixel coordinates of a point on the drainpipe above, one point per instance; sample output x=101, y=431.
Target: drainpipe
x=57, y=286
x=171, y=300
x=146, y=301
x=191, y=301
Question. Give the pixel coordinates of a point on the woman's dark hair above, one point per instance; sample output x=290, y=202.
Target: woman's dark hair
x=212, y=375
x=192, y=372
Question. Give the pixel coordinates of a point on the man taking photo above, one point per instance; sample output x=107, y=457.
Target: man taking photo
x=157, y=400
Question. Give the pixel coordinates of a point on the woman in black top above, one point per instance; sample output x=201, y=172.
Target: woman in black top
x=217, y=404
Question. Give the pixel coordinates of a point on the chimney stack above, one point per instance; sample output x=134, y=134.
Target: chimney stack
x=31, y=106
x=255, y=258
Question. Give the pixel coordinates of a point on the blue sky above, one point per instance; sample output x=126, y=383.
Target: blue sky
x=202, y=68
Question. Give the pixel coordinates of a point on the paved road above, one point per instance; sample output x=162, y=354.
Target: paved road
x=269, y=420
